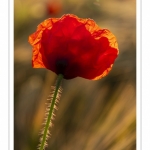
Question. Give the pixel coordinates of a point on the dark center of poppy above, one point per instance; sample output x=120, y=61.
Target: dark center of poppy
x=61, y=66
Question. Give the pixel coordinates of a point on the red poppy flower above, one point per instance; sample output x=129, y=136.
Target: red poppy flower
x=73, y=47
x=53, y=7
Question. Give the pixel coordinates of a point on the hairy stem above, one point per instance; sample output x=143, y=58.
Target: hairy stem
x=55, y=97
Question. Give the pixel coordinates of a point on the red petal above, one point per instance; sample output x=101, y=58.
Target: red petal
x=74, y=47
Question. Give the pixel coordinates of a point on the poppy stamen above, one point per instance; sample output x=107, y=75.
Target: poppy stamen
x=61, y=66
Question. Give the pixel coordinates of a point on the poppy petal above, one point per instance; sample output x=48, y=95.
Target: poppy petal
x=74, y=47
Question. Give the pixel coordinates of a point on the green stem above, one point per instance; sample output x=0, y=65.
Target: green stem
x=49, y=118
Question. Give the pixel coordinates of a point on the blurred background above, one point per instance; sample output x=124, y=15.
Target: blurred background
x=92, y=115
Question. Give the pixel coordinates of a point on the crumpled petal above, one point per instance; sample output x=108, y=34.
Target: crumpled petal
x=74, y=47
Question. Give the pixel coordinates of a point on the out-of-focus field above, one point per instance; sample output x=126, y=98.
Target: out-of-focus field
x=92, y=115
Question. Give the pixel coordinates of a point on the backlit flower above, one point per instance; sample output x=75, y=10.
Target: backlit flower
x=74, y=47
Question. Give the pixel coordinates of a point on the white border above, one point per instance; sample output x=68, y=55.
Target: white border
x=145, y=68
x=4, y=91
x=138, y=76
x=11, y=74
